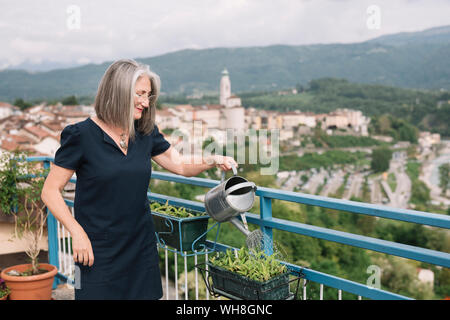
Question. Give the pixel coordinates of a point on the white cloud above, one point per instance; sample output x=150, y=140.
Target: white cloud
x=37, y=30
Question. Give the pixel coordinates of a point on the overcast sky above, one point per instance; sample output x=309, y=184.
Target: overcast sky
x=96, y=31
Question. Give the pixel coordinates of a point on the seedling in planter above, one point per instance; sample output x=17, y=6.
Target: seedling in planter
x=179, y=212
x=252, y=264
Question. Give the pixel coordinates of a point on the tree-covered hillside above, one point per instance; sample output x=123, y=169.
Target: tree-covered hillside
x=414, y=60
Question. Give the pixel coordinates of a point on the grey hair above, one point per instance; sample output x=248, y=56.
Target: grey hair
x=114, y=102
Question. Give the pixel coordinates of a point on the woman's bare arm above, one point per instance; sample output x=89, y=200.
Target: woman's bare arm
x=52, y=197
x=186, y=166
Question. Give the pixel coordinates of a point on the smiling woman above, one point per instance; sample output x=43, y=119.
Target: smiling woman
x=110, y=102
x=111, y=155
x=143, y=96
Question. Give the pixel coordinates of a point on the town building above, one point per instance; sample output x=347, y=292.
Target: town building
x=7, y=110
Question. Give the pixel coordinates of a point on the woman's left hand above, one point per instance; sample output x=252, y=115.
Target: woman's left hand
x=224, y=163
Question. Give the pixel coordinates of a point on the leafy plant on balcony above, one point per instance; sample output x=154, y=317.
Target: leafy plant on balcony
x=178, y=227
x=248, y=274
x=10, y=170
x=4, y=290
x=21, y=184
x=253, y=264
x=179, y=212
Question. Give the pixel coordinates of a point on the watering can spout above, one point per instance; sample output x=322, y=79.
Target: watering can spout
x=240, y=226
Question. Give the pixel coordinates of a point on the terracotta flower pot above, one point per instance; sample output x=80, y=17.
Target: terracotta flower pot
x=37, y=287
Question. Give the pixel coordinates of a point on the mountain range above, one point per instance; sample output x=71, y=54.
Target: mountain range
x=419, y=60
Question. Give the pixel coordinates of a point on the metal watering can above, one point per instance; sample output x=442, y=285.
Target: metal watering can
x=229, y=199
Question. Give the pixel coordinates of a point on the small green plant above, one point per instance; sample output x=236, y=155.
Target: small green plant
x=4, y=290
x=179, y=212
x=21, y=184
x=253, y=264
x=11, y=169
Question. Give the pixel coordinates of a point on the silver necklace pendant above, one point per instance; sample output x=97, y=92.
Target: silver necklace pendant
x=122, y=142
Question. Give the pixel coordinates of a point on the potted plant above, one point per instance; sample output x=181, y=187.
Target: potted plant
x=178, y=227
x=21, y=185
x=4, y=290
x=248, y=274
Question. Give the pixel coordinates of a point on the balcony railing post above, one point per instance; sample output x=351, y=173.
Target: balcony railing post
x=52, y=234
x=266, y=214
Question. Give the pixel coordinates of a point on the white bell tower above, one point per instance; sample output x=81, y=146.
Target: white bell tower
x=225, y=88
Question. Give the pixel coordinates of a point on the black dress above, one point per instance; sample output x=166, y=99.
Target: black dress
x=111, y=205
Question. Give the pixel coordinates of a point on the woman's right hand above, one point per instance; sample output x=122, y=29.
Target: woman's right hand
x=82, y=248
x=51, y=195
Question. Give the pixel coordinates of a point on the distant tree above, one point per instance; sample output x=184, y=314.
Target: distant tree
x=366, y=224
x=407, y=132
x=397, y=128
x=380, y=159
x=444, y=177
x=420, y=195
x=445, y=96
x=22, y=104
x=443, y=281
x=384, y=124
x=186, y=191
x=164, y=187
x=400, y=277
x=70, y=101
x=411, y=152
x=304, y=178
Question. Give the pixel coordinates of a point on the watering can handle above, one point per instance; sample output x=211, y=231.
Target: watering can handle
x=234, y=169
x=240, y=185
x=223, y=173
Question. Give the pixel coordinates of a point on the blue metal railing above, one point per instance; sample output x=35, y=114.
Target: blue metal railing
x=268, y=223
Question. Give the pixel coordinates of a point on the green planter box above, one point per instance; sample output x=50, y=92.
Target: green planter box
x=234, y=285
x=181, y=233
